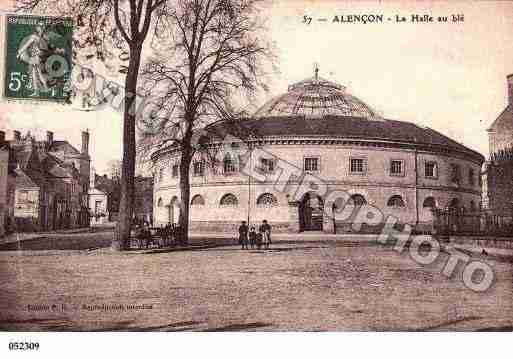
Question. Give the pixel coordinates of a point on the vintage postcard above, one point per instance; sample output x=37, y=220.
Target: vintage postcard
x=247, y=165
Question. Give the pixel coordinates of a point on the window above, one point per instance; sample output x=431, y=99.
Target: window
x=161, y=174
x=267, y=199
x=397, y=167
x=229, y=164
x=395, y=201
x=267, y=165
x=430, y=170
x=471, y=177
x=174, y=170
x=357, y=166
x=197, y=200
x=311, y=164
x=472, y=206
x=199, y=168
x=455, y=173
x=229, y=200
x=429, y=202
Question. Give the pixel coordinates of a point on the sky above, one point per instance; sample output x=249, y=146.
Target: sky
x=448, y=76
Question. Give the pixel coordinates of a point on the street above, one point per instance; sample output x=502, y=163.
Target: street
x=311, y=285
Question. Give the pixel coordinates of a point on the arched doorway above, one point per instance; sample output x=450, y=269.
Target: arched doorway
x=311, y=212
x=174, y=210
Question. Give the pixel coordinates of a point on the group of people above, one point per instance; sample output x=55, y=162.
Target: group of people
x=165, y=236
x=248, y=237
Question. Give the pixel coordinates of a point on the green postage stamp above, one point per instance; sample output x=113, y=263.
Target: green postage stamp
x=38, y=54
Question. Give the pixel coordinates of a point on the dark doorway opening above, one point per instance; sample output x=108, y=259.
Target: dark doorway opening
x=311, y=212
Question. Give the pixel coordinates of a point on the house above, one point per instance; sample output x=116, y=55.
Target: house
x=98, y=202
x=51, y=180
x=112, y=189
x=105, y=194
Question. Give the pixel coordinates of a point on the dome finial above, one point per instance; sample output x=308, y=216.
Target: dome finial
x=316, y=70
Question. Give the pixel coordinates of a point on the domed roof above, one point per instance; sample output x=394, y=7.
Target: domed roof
x=317, y=97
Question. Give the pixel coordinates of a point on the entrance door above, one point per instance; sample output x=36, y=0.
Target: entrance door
x=311, y=212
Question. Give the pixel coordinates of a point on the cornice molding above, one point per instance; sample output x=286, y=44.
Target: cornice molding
x=343, y=142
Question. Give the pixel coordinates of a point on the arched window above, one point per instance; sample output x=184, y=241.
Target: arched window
x=472, y=206
x=229, y=164
x=267, y=199
x=197, y=200
x=358, y=200
x=229, y=200
x=429, y=202
x=159, y=202
x=395, y=201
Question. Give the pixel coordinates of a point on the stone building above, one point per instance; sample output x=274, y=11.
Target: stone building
x=51, y=181
x=98, y=202
x=497, y=175
x=320, y=132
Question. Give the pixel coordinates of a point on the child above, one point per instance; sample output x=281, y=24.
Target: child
x=252, y=237
x=259, y=239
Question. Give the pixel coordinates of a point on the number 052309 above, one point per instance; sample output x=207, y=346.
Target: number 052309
x=23, y=346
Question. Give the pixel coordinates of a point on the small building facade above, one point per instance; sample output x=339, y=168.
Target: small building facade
x=98, y=202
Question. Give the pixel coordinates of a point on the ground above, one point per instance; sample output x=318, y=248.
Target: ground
x=300, y=284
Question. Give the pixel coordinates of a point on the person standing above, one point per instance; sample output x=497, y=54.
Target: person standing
x=252, y=237
x=243, y=235
x=265, y=229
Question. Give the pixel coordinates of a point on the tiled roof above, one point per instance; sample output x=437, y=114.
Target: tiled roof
x=338, y=127
x=58, y=146
x=24, y=181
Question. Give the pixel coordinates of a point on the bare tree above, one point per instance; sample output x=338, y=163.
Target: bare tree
x=216, y=59
x=109, y=27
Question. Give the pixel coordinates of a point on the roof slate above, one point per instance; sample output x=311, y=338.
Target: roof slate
x=23, y=180
x=338, y=126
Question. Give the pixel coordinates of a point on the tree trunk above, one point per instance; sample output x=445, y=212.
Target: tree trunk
x=122, y=237
x=185, y=194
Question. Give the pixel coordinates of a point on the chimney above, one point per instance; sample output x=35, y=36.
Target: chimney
x=49, y=138
x=17, y=135
x=85, y=142
x=2, y=138
x=510, y=89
